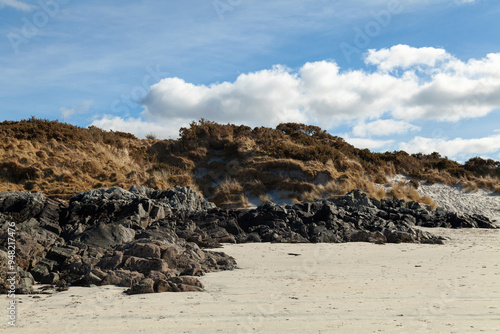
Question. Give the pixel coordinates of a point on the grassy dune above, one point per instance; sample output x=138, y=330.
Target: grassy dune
x=226, y=163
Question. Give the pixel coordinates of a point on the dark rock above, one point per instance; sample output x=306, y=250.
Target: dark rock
x=22, y=206
x=25, y=283
x=182, y=284
x=62, y=253
x=144, y=266
x=146, y=250
x=148, y=240
x=366, y=236
x=39, y=271
x=144, y=286
x=94, y=277
x=61, y=285
x=327, y=212
x=51, y=278
x=399, y=236
x=187, y=281
x=184, y=200
x=122, y=277
x=28, y=250
x=253, y=237
x=106, y=236
x=162, y=285
x=111, y=261
x=156, y=275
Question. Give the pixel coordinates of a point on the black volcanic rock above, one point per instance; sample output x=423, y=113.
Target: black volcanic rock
x=106, y=235
x=36, y=229
x=353, y=217
x=149, y=240
x=103, y=236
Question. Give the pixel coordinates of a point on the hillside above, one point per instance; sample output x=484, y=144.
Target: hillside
x=229, y=164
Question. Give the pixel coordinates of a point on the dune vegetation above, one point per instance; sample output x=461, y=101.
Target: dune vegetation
x=231, y=165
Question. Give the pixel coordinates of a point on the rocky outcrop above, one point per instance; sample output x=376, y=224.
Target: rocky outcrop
x=37, y=230
x=104, y=236
x=135, y=209
x=152, y=241
x=351, y=218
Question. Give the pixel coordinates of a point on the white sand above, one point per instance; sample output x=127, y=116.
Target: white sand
x=329, y=288
x=457, y=199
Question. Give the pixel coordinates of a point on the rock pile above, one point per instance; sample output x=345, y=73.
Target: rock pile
x=350, y=218
x=152, y=241
x=105, y=236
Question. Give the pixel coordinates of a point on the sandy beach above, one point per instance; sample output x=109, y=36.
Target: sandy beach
x=310, y=288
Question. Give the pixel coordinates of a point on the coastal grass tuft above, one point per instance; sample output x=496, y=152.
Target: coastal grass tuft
x=227, y=163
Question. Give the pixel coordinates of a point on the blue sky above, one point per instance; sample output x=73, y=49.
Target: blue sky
x=386, y=75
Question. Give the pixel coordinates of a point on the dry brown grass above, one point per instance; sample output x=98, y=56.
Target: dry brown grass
x=255, y=188
x=230, y=193
x=265, y=198
x=60, y=168
x=296, y=187
x=469, y=186
x=343, y=185
x=472, y=184
x=405, y=191
x=284, y=165
x=435, y=176
x=226, y=162
x=488, y=182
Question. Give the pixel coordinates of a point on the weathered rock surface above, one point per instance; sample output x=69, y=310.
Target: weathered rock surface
x=104, y=236
x=149, y=240
x=351, y=218
x=37, y=229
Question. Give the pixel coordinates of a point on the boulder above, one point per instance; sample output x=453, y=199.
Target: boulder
x=144, y=266
x=106, y=236
x=144, y=286
x=51, y=278
x=122, y=277
x=144, y=249
x=111, y=261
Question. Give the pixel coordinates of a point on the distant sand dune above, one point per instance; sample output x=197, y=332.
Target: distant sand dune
x=457, y=199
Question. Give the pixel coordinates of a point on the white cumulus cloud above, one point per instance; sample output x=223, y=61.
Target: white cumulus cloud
x=267, y=97
x=383, y=127
x=141, y=128
x=321, y=93
x=430, y=84
x=371, y=144
x=404, y=56
x=453, y=147
x=16, y=4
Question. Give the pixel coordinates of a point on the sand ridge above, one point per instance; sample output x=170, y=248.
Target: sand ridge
x=457, y=199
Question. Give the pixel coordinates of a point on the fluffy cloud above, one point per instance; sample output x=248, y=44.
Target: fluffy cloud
x=447, y=89
x=408, y=84
x=383, y=127
x=268, y=97
x=141, y=128
x=16, y=4
x=404, y=57
x=371, y=144
x=453, y=147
